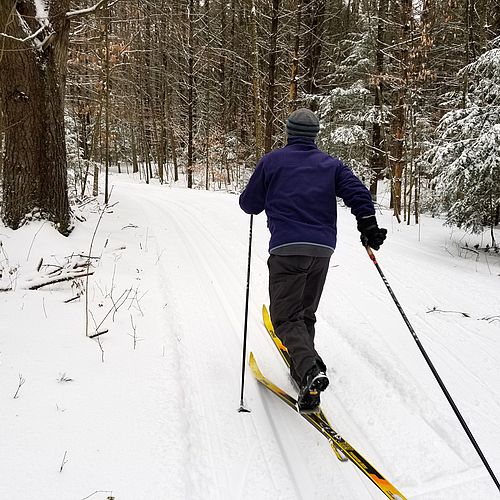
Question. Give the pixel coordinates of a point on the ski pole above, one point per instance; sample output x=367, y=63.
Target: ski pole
x=433, y=369
x=242, y=407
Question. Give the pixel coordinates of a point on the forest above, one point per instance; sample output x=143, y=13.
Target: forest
x=408, y=94
x=128, y=130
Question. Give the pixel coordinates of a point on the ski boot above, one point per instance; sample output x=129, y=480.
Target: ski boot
x=314, y=382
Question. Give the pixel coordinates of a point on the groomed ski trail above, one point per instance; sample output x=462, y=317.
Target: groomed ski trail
x=200, y=240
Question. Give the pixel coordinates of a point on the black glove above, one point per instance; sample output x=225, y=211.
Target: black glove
x=371, y=235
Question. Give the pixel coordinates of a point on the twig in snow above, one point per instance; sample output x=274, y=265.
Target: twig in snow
x=90, y=199
x=113, y=282
x=67, y=301
x=100, y=347
x=446, y=248
x=59, y=279
x=100, y=491
x=474, y=251
x=434, y=309
x=98, y=334
x=137, y=300
x=86, y=256
x=134, y=336
x=490, y=319
x=33, y=240
x=116, y=306
x=64, y=461
x=57, y=270
x=21, y=382
x=88, y=267
x=159, y=257
x=62, y=378
x=487, y=263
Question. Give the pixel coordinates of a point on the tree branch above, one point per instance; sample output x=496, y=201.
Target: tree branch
x=89, y=10
x=434, y=309
x=58, y=279
x=27, y=39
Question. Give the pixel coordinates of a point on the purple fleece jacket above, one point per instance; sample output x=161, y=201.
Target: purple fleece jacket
x=297, y=186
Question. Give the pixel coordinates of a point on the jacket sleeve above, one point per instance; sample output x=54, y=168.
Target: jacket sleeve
x=253, y=198
x=354, y=193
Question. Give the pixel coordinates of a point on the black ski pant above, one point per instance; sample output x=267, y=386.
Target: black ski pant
x=295, y=286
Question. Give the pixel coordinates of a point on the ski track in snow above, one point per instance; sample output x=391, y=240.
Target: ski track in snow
x=190, y=250
x=212, y=270
x=400, y=406
x=207, y=442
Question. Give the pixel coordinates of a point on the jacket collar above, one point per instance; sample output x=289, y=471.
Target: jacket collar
x=299, y=139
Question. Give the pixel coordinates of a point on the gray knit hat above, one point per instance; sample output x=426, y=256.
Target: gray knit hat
x=302, y=122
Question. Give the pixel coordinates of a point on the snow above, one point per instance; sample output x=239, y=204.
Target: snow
x=160, y=421
x=42, y=12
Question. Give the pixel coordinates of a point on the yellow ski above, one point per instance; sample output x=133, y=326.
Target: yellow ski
x=354, y=456
x=342, y=449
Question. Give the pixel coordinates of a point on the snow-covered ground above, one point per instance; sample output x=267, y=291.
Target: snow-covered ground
x=149, y=409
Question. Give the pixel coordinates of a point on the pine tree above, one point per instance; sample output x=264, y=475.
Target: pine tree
x=467, y=155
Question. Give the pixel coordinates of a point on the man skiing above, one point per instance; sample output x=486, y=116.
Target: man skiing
x=297, y=186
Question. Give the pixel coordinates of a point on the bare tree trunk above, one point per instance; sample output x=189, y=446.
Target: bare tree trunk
x=32, y=83
x=107, y=90
x=2, y=133
x=256, y=82
x=270, y=111
x=377, y=159
x=190, y=95
x=171, y=135
x=315, y=11
x=399, y=122
x=293, y=94
x=133, y=146
x=207, y=139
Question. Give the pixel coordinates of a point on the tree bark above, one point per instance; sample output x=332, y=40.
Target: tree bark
x=32, y=83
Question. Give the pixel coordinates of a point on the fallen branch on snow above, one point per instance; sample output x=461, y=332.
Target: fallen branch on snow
x=490, y=319
x=434, y=309
x=94, y=335
x=59, y=279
